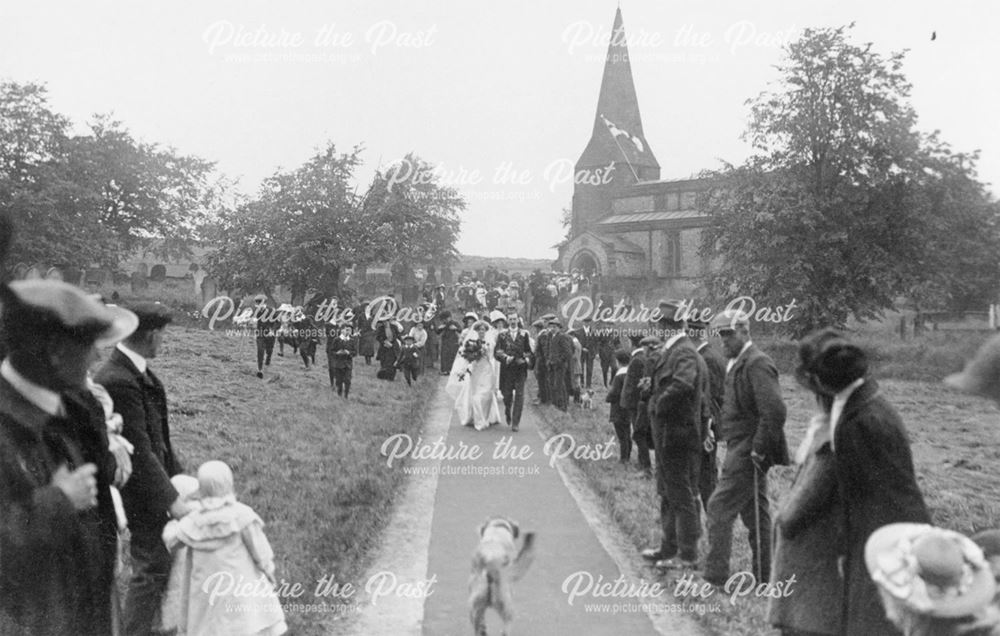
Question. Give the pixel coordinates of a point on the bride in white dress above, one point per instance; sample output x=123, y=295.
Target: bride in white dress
x=472, y=383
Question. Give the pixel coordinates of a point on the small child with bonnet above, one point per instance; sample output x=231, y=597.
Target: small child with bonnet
x=217, y=548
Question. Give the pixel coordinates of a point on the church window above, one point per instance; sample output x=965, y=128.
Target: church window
x=671, y=254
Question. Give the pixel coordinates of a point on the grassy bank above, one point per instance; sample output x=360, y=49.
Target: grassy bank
x=304, y=459
x=954, y=451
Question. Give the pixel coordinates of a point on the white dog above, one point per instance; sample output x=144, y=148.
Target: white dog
x=587, y=400
x=496, y=564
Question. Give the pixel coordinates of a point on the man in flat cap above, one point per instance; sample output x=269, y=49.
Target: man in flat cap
x=679, y=379
x=753, y=420
x=58, y=529
x=149, y=497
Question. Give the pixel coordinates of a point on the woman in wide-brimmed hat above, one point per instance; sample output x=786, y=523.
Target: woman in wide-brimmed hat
x=933, y=581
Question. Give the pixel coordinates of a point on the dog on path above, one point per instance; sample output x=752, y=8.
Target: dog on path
x=496, y=565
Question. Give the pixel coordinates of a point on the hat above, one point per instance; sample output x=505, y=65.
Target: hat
x=152, y=315
x=441, y=286
x=650, y=341
x=38, y=305
x=409, y=337
x=729, y=320
x=514, y=284
x=496, y=315
x=827, y=355
x=555, y=321
x=668, y=310
x=548, y=317
x=185, y=485
x=538, y=324
x=470, y=314
x=981, y=375
x=932, y=571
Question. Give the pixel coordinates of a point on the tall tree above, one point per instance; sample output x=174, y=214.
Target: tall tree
x=306, y=226
x=94, y=198
x=837, y=208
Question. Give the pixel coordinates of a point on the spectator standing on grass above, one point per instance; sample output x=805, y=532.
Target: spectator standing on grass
x=679, y=379
x=618, y=415
x=559, y=359
x=366, y=334
x=753, y=420
x=419, y=335
x=224, y=541
x=875, y=477
x=576, y=369
x=808, y=526
x=149, y=497
x=58, y=529
x=541, y=358
x=708, y=473
x=642, y=433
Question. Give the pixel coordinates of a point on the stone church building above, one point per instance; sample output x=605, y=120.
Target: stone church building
x=629, y=227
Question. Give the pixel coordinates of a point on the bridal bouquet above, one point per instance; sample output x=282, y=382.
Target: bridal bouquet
x=473, y=351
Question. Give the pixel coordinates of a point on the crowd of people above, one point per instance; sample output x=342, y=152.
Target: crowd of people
x=89, y=474
x=99, y=534
x=853, y=534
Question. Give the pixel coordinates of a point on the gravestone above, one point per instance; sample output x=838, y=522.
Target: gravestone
x=34, y=272
x=121, y=278
x=158, y=273
x=72, y=275
x=20, y=271
x=54, y=273
x=142, y=268
x=139, y=282
x=209, y=289
x=96, y=277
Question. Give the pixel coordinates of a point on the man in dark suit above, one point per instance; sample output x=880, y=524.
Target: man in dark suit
x=753, y=420
x=513, y=350
x=559, y=358
x=708, y=474
x=341, y=347
x=541, y=358
x=58, y=530
x=588, y=341
x=678, y=380
x=149, y=497
x=635, y=398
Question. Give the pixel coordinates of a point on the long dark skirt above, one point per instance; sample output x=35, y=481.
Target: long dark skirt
x=449, y=349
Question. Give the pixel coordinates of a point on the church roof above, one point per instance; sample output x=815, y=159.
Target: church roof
x=617, y=133
x=654, y=220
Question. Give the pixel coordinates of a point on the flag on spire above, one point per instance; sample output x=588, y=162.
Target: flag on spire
x=618, y=132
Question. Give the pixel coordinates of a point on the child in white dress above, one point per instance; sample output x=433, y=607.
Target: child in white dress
x=220, y=552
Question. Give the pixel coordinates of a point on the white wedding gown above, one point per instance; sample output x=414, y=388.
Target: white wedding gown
x=473, y=387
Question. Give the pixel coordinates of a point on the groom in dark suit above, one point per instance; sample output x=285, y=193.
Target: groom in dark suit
x=149, y=497
x=513, y=350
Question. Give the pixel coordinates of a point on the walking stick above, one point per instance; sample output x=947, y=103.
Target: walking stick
x=756, y=515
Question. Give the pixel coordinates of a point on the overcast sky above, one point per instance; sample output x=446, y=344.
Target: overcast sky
x=500, y=95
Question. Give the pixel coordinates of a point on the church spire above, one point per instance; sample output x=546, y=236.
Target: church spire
x=617, y=135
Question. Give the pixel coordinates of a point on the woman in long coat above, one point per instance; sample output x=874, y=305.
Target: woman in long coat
x=366, y=335
x=806, y=533
x=448, y=332
x=876, y=483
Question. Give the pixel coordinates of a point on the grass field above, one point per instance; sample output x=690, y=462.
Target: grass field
x=954, y=439
x=304, y=459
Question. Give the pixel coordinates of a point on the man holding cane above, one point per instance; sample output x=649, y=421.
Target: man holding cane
x=753, y=420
